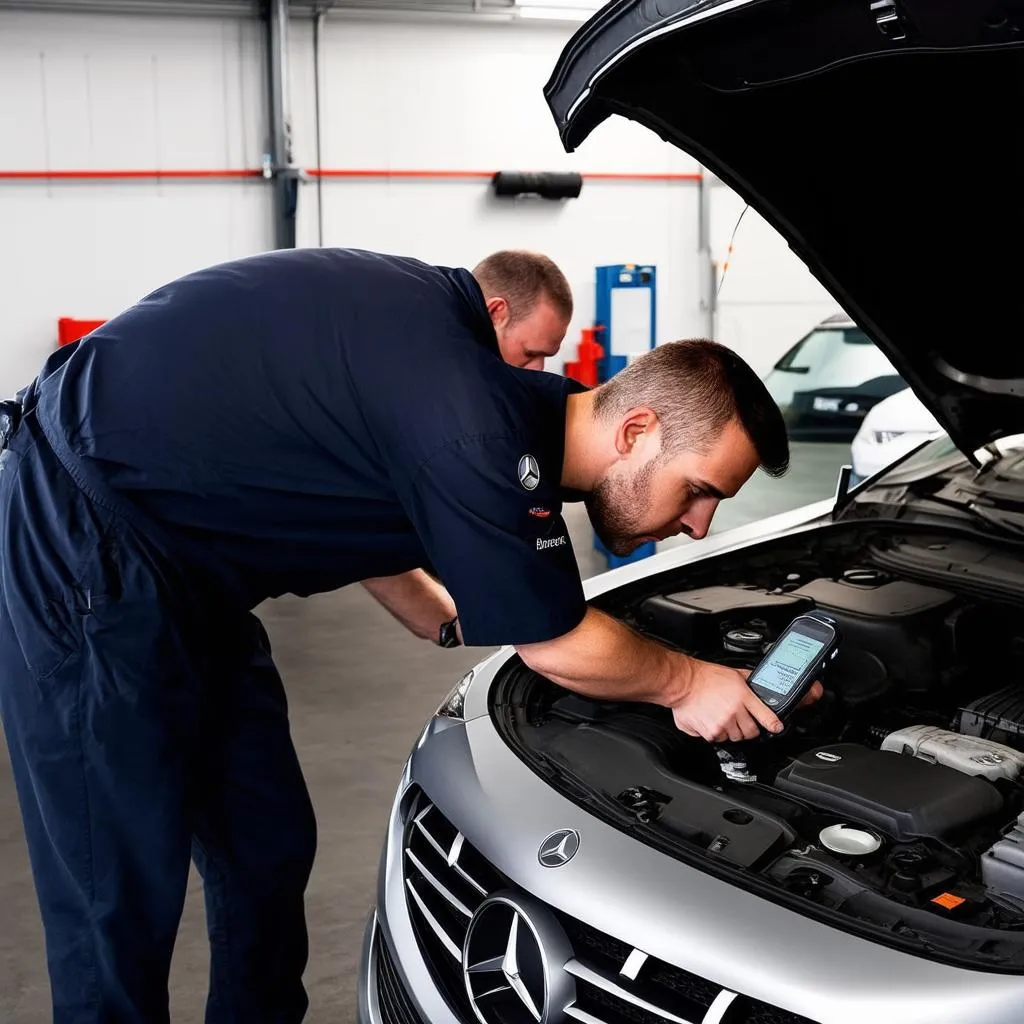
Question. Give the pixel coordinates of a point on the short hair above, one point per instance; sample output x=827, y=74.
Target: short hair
x=522, y=279
x=695, y=388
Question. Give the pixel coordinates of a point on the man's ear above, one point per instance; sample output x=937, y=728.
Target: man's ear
x=636, y=429
x=498, y=309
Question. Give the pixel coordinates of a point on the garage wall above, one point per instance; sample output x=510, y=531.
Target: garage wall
x=98, y=92
x=766, y=299
x=456, y=96
x=143, y=92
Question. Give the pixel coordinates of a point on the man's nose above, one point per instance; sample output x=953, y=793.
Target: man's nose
x=697, y=521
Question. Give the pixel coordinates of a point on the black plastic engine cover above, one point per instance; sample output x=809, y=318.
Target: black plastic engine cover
x=697, y=619
x=893, y=634
x=901, y=795
x=721, y=822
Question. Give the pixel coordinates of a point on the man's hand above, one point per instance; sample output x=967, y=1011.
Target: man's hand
x=813, y=694
x=605, y=659
x=719, y=706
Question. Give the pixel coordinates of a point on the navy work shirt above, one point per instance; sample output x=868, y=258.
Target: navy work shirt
x=310, y=418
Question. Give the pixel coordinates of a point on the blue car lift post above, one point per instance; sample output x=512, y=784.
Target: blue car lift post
x=622, y=275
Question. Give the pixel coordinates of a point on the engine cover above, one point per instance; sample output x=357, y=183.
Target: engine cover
x=893, y=634
x=903, y=796
x=968, y=754
x=697, y=619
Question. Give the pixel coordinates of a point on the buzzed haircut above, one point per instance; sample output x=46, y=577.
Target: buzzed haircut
x=523, y=279
x=695, y=387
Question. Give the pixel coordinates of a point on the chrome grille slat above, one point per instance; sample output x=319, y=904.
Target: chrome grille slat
x=583, y=973
x=435, y=925
x=428, y=835
x=451, y=856
x=720, y=1007
x=581, y=1015
x=465, y=876
x=634, y=962
x=439, y=886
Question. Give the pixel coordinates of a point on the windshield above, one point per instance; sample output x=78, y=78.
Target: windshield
x=827, y=357
x=818, y=347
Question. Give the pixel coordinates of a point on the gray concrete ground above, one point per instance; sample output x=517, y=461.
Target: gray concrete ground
x=360, y=690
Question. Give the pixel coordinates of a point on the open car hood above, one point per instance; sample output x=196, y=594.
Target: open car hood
x=882, y=139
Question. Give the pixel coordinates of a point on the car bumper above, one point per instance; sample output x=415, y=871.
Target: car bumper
x=384, y=993
x=367, y=1011
x=395, y=985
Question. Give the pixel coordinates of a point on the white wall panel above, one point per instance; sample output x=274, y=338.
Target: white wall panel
x=119, y=93
x=89, y=251
x=425, y=95
x=768, y=298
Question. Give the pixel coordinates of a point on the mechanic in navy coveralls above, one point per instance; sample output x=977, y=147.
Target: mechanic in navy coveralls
x=291, y=423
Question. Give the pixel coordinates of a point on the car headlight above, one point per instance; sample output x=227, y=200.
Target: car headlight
x=453, y=706
x=885, y=436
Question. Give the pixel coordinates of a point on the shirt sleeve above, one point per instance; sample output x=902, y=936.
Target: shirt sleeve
x=488, y=513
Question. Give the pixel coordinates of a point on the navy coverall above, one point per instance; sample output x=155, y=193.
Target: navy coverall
x=285, y=423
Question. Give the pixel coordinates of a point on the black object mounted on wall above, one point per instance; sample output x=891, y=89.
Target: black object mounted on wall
x=546, y=184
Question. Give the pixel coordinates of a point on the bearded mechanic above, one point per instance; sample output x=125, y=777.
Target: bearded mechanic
x=294, y=422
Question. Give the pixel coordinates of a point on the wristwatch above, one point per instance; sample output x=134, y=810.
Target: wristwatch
x=447, y=635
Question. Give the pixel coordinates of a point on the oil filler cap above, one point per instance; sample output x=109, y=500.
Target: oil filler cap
x=852, y=842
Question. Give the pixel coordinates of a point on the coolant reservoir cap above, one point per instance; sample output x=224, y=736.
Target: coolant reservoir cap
x=850, y=841
x=744, y=640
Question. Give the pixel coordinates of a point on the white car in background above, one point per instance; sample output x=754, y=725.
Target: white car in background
x=894, y=427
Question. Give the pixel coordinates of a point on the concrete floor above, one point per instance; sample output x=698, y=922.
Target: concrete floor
x=360, y=690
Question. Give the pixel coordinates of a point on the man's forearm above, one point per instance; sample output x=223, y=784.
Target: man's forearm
x=605, y=659
x=417, y=600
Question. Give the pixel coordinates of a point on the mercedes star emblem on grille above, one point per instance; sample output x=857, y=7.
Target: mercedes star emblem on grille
x=512, y=963
x=559, y=848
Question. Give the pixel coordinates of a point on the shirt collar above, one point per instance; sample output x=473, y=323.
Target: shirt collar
x=477, y=317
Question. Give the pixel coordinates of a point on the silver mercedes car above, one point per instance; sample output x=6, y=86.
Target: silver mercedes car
x=553, y=859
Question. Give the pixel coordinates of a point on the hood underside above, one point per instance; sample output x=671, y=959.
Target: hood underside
x=880, y=138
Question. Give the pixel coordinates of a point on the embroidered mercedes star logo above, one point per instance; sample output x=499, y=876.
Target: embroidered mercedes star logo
x=512, y=961
x=529, y=472
x=559, y=848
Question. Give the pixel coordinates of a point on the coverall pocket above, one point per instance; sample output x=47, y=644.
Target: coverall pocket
x=45, y=631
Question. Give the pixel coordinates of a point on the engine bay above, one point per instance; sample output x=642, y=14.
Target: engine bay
x=894, y=805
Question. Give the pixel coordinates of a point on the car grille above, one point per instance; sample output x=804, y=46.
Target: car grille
x=446, y=880
x=392, y=999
